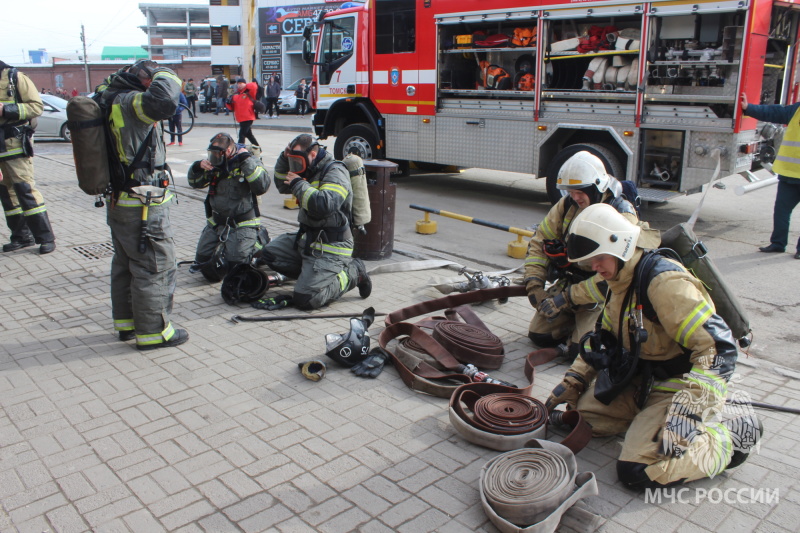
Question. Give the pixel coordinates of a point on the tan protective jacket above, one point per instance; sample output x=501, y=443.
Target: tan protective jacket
x=687, y=326
x=16, y=113
x=555, y=226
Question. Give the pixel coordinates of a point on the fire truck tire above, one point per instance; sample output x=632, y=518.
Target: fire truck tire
x=608, y=158
x=358, y=139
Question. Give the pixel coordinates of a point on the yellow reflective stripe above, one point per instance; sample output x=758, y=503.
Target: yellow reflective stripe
x=709, y=381
x=695, y=319
x=211, y=222
x=117, y=123
x=545, y=230
x=248, y=223
x=255, y=174
x=123, y=325
x=343, y=279
x=22, y=111
x=167, y=75
x=565, y=224
x=126, y=200
x=594, y=291
x=15, y=211
x=34, y=211
x=724, y=448
x=258, y=246
x=137, y=107
x=338, y=250
x=335, y=188
x=606, y=320
x=535, y=260
x=307, y=195
x=280, y=176
x=314, y=184
x=156, y=338
x=7, y=153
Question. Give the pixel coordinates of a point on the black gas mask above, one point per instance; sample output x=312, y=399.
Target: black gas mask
x=218, y=150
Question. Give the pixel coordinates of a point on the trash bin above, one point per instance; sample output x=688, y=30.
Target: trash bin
x=378, y=242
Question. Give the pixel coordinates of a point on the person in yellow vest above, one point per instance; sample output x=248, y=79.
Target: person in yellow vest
x=23, y=205
x=786, y=165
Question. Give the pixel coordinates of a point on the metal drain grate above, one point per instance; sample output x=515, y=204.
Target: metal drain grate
x=95, y=251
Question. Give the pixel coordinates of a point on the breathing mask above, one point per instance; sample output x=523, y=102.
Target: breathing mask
x=298, y=161
x=351, y=347
x=218, y=150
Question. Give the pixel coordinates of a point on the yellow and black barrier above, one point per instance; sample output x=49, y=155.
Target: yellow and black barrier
x=516, y=249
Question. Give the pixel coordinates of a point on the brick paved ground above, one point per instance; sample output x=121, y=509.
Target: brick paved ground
x=224, y=434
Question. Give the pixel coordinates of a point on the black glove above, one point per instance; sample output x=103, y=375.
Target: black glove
x=273, y=304
x=372, y=366
x=551, y=307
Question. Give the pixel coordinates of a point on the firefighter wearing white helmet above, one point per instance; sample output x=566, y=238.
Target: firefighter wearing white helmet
x=658, y=364
x=570, y=306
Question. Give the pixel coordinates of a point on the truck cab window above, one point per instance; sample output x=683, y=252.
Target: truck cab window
x=337, y=46
x=395, y=26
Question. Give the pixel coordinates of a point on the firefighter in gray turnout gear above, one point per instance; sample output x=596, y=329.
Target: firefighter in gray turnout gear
x=23, y=205
x=143, y=270
x=235, y=178
x=319, y=255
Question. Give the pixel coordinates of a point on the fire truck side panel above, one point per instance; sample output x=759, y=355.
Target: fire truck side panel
x=409, y=138
x=657, y=100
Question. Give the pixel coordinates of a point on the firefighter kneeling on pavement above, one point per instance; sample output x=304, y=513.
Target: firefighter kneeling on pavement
x=235, y=179
x=319, y=255
x=569, y=308
x=657, y=366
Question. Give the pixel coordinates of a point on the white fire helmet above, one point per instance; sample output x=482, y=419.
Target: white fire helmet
x=601, y=229
x=583, y=170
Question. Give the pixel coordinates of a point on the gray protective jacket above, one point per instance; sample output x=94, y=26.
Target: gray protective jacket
x=325, y=201
x=232, y=194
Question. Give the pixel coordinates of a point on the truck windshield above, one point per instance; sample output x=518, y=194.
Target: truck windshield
x=337, y=46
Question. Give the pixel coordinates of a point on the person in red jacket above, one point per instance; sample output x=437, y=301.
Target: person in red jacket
x=242, y=104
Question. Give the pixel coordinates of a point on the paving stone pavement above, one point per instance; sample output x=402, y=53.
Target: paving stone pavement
x=224, y=434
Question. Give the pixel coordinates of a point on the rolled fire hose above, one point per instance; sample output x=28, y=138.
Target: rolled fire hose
x=622, y=77
x=599, y=72
x=610, y=78
x=633, y=75
x=529, y=489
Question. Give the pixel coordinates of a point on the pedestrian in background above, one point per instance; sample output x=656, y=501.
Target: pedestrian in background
x=259, y=96
x=788, y=194
x=190, y=90
x=243, y=106
x=273, y=92
x=176, y=123
x=222, y=95
x=301, y=94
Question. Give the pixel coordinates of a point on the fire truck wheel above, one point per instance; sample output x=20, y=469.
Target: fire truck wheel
x=357, y=139
x=608, y=158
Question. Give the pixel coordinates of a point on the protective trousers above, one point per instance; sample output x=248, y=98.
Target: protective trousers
x=708, y=454
x=786, y=199
x=322, y=277
x=23, y=205
x=142, y=284
x=240, y=243
x=570, y=324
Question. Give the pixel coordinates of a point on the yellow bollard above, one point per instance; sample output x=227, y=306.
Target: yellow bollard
x=518, y=249
x=290, y=203
x=426, y=226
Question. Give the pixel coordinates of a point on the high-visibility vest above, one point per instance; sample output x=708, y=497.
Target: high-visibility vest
x=787, y=162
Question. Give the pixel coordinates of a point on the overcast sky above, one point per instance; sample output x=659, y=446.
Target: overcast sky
x=56, y=26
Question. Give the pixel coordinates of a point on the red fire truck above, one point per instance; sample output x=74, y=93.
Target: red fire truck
x=652, y=88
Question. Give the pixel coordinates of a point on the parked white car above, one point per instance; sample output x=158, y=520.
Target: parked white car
x=53, y=122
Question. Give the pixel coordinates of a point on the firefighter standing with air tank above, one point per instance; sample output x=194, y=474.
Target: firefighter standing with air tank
x=143, y=270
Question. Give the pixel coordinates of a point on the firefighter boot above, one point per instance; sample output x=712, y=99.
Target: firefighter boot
x=179, y=337
x=36, y=217
x=364, y=283
x=746, y=430
x=21, y=236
